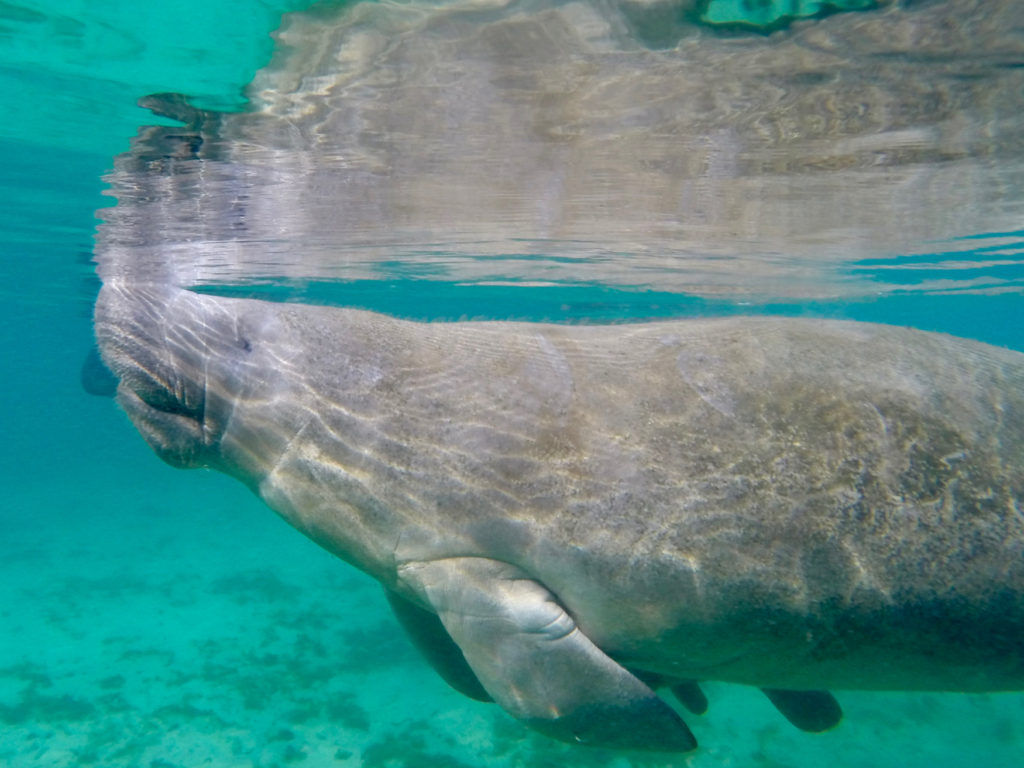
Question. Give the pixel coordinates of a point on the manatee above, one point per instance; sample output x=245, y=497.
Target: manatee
x=567, y=517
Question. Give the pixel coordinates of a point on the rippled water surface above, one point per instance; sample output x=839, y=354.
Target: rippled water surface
x=579, y=161
x=566, y=144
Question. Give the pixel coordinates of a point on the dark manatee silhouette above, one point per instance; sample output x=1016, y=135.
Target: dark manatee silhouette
x=568, y=518
x=95, y=377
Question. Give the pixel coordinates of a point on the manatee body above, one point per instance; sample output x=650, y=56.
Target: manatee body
x=589, y=511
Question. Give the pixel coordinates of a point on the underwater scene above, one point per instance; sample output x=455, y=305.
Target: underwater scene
x=568, y=382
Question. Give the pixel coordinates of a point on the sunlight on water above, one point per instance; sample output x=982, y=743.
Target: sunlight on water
x=588, y=161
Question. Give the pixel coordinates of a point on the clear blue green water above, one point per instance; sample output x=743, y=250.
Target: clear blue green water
x=150, y=617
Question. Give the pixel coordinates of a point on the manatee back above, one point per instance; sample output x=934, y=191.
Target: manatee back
x=762, y=484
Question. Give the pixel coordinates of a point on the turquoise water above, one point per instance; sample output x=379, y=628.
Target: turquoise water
x=151, y=617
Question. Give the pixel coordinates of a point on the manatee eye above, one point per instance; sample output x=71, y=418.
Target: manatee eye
x=244, y=344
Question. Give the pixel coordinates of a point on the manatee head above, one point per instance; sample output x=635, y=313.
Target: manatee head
x=175, y=355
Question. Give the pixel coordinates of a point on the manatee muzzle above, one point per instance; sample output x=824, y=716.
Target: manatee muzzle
x=160, y=368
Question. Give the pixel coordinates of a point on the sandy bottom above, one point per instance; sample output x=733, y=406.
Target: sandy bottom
x=165, y=619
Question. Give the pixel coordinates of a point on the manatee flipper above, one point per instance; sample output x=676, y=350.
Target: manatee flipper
x=690, y=696
x=813, y=711
x=687, y=692
x=536, y=663
x=430, y=638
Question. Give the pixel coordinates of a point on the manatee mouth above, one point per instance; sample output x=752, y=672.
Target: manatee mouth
x=174, y=431
x=153, y=338
x=167, y=412
x=161, y=397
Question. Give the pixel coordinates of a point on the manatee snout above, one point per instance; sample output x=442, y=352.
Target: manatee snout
x=160, y=368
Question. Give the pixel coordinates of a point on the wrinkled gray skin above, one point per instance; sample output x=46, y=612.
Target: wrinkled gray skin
x=791, y=504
